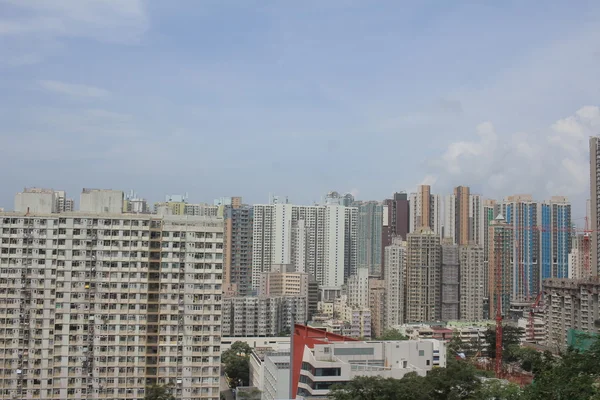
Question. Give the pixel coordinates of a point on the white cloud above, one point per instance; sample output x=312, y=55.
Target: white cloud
x=74, y=90
x=104, y=20
x=553, y=161
x=41, y=27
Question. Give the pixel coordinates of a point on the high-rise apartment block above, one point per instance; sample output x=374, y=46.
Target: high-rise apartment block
x=463, y=217
x=542, y=241
x=101, y=201
x=135, y=205
x=395, y=220
x=580, y=259
x=490, y=211
x=450, y=283
x=358, y=288
x=555, y=237
x=595, y=203
x=377, y=299
x=370, y=224
x=101, y=305
x=37, y=200
x=423, y=277
x=522, y=214
x=570, y=304
x=394, y=283
x=320, y=240
x=500, y=274
x=261, y=316
x=472, y=282
x=283, y=281
x=425, y=210
x=237, y=273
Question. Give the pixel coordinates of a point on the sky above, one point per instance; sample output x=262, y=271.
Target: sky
x=297, y=98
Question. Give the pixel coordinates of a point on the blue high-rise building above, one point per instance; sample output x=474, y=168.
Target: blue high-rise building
x=555, y=235
x=522, y=214
x=542, y=240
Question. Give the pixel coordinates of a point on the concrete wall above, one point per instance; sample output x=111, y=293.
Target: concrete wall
x=36, y=202
x=101, y=201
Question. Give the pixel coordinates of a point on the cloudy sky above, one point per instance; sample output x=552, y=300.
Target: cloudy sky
x=240, y=97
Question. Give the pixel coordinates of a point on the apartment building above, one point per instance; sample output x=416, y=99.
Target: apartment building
x=472, y=281
x=238, y=249
x=423, y=276
x=98, y=306
x=394, y=282
x=570, y=305
x=580, y=258
x=595, y=202
x=370, y=223
x=283, y=281
x=38, y=200
x=463, y=217
x=500, y=266
x=450, y=283
x=395, y=221
x=261, y=316
x=377, y=306
x=425, y=209
x=320, y=240
x=358, y=288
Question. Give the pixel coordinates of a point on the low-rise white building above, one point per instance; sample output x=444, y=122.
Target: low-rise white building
x=328, y=364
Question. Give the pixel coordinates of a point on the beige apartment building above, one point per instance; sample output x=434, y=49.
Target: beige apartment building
x=283, y=281
x=423, y=276
x=98, y=306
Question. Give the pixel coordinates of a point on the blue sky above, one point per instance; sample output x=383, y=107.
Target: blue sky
x=219, y=98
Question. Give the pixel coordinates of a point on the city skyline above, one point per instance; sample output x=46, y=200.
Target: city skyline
x=102, y=90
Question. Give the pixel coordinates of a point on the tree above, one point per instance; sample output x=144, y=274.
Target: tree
x=392, y=334
x=237, y=363
x=573, y=375
x=511, y=335
x=495, y=389
x=456, y=382
x=158, y=392
x=250, y=394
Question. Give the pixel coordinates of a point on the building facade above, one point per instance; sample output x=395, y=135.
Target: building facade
x=580, y=259
x=37, y=200
x=238, y=244
x=283, y=281
x=500, y=264
x=358, y=288
x=377, y=299
x=450, y=283
x=522, y=214
x=370, y=224
x=570, y=305
x=423, y=276
x=395, y=220
x=595, y=202
x=472, y=282
x=425, y=210
x=261, y=316
x=394, y=282
x=101, y=306
x=320, y=240
x=555, y=241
